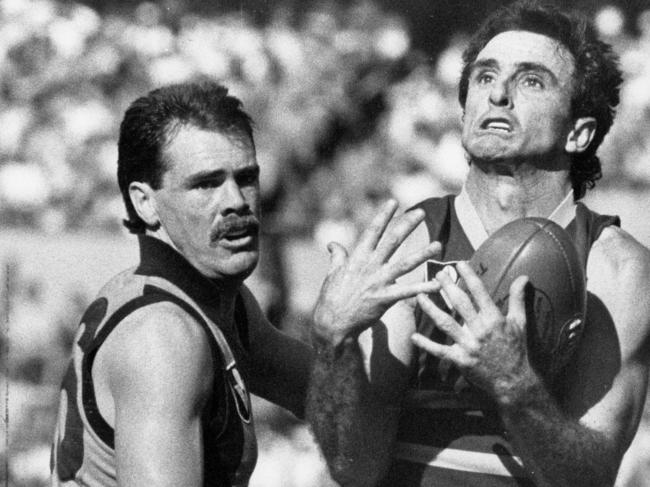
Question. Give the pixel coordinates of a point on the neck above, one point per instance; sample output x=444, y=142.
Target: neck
x=502, y=193
x=226, y=289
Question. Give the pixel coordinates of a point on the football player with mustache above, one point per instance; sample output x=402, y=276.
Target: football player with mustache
x=157, y=392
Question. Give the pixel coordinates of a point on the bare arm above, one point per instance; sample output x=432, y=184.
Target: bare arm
x=154, y=365
x=359, y=374
x=579, y=441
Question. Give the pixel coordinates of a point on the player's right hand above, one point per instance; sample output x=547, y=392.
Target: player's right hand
x=361, y=286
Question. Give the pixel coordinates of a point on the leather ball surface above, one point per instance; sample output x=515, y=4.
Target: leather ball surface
x=556, y=298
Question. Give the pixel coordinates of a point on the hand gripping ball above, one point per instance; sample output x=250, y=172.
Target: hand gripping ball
x=556, y=298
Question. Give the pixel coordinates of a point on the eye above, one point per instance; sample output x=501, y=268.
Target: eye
x=532, y=81
x=207, y=184
x=248, y=177
x=484, y=77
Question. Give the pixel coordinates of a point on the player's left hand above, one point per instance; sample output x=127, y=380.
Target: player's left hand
x=362, y=285
x=489, y=348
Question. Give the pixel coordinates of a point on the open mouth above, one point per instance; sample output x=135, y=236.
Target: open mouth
x=240, y=240
x=500, y=125
x=236, y=233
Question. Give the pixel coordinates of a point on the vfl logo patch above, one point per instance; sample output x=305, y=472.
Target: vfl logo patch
x=239, y=393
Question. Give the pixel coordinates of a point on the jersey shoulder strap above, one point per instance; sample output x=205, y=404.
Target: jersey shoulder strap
x=586, y=227
x=234, y=379
x=176, y=295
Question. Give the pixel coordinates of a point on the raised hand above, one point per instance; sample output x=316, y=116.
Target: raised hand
x=489, y=348
x=361, y=286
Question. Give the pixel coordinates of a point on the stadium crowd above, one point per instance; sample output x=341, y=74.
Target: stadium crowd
x=347, y=113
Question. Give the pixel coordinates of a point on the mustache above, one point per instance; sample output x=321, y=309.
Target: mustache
x=234, y=223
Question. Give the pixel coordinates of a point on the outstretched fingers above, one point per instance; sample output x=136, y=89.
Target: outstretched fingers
x=458, y=298
x=409, y=262
x=373, y=233
x=442, y=320
x=396, y=292
x=396, y=232
x=434, y=348
x=476, y=287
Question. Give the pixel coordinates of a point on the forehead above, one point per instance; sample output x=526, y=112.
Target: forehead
x=517, y=46
x=192, y=149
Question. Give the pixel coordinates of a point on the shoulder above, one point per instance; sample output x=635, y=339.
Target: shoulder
x=620, y=255
x=117, y=285
x=617, y=275
x=159, y=347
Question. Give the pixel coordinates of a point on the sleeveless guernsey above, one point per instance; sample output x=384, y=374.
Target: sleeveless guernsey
x=83, y=450
x=450, y=434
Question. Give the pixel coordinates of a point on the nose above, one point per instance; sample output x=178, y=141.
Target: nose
x=232, y=199
x=500, y=93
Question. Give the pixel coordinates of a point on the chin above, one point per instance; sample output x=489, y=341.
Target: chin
x=490, y=153
x=489, y=146
x=240, y=266
x=232, y=268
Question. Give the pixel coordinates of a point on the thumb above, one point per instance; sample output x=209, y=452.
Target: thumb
x=338, y=254
x=517, y=302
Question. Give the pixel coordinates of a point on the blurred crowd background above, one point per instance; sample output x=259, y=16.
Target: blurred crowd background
x=353, y=102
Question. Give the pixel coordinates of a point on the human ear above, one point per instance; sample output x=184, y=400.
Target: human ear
x=583, y=132
x=144, y=201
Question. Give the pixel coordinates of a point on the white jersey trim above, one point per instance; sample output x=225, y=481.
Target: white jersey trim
x=475, y=231
x=452, y=459
x=565, y=211
x=469, y=219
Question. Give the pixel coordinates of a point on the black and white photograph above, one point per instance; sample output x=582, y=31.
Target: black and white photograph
x=324, y=243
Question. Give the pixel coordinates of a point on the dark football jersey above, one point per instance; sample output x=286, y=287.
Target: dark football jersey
x=449, y=432
x=83, y=450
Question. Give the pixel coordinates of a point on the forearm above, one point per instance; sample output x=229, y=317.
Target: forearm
x=353, y=425
x=556, y=450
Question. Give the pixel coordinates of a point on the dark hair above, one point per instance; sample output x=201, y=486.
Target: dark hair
x=151, y=122
x=596, y=80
